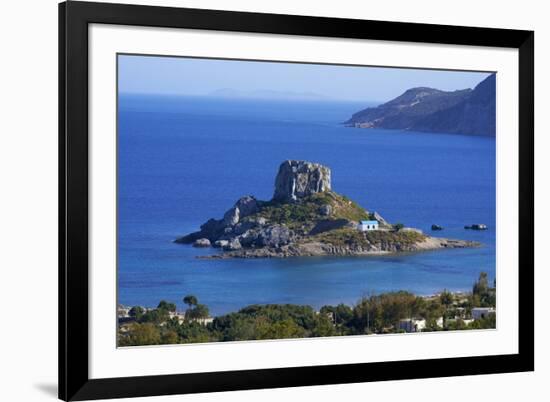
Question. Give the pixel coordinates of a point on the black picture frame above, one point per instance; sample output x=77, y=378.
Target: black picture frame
x=74, y=18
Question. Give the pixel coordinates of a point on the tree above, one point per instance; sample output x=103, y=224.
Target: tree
x=340, y=313
x=398, y=226
x=169, y=337
x=156, y=316
x=190, y=300
x=323, y=327
x=141, y=334
x=197, y=312
x=193, y=332
x=484, y=323
x=446, y=299
x=382, y=313
x=481, y=287
x=265, y=329
x=457, y=325
x=164, y=305
x=485, y=294
x=136, y=312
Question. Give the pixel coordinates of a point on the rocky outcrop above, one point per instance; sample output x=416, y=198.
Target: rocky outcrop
x=233, y=244
x=469, y=112
x=274, y=236
x=247, y=205
x=221, y=243
x=231, y=217
x=300, y=179
x=221, y=229
x=377, y=217
x=239, y=229
x=244, y=207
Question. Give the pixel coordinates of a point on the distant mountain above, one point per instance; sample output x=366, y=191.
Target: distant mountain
x=265, y=94
x=470, y=112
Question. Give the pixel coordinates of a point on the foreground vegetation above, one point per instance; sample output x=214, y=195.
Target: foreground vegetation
x=375, y=314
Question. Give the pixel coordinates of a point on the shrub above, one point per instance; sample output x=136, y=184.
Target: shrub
x=141, y=334
x=306, y=212
x=398, y=226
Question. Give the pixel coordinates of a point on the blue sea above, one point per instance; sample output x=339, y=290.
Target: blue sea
x=183, y=160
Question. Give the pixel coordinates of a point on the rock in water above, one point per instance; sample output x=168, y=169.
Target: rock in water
x=201, y=243
x=298, y=179
x=221, y=243
x=233, y=245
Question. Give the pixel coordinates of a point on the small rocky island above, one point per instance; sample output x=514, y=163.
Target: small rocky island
x=306, y=218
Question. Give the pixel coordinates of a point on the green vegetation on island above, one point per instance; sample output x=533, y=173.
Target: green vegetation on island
x=303, y=215
x=392, y=312
x=346, y=236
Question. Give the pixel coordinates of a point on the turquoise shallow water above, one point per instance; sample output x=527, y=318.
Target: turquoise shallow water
x=184, y=160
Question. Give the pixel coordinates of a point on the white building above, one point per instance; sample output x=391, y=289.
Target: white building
x=203, y=321
x=412, y=325
x=482, y=312
x=180, y=315
x=365, y=226
x=122, y=311
x=177, y=314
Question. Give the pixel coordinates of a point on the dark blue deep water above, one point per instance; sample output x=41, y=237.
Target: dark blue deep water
x=183, y=160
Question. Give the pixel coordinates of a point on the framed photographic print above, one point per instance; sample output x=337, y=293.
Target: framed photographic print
x=257, y=200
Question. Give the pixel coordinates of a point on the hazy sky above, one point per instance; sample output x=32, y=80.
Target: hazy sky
x=173, y=75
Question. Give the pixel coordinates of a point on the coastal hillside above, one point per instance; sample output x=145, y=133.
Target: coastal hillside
x=306, y=217
x=467, y=111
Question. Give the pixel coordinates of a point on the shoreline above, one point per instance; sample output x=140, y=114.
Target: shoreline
x=318, y=249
